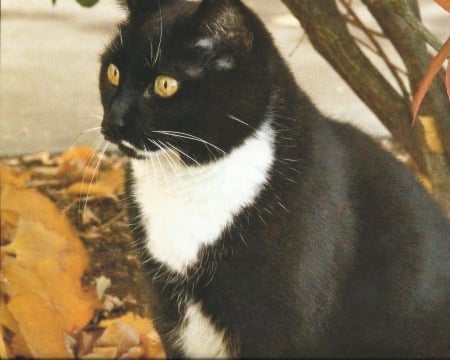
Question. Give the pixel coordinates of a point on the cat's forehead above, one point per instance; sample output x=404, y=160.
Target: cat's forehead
x=165, y=17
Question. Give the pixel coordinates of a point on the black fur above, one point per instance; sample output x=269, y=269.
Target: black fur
x=345, y=254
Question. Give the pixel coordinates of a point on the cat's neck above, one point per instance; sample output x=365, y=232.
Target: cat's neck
x=186, y=207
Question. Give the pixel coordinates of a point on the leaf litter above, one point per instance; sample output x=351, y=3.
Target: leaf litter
x=71, y=284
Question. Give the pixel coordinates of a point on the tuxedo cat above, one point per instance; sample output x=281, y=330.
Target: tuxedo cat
x=267, y=229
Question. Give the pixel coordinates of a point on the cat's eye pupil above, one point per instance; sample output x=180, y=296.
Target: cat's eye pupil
x=113, y=74
x=165, y=86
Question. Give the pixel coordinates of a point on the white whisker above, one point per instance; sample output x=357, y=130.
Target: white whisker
x=158, y=51
x=167, y=154
x=189, y=137
x=232, y=117
x=86, y=167
x=163, y=171
x=183, y=153
x=97, y=167
x=84, y=133
x=174, y=148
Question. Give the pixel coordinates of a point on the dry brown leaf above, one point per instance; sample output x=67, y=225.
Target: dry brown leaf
x=39, y=326
x=89, y=217
x=79, y=162
x=109, y=184
x=119, y=335
x=150, y=340
x=42, y=157
x=48, y=284
x=103, y=352
x=9, y=221
x=30, y=204
x=41, y=270
x=8, y=322
x=8, y=177
x=95, y=190
x=4, y=353
x=115, y=178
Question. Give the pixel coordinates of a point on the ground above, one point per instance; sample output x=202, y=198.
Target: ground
x=87, y=187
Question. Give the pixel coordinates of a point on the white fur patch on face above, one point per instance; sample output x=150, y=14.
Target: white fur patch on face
x=199, y=338
x=184, y=208
x=138, y=152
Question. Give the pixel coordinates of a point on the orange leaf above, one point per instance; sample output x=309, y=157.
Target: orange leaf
x=39, y=326
x=96, y=190
x=433, y=69
x=42, y=267
x=109, y=184
x=8, y=177
x=76, y=159
x=115, y=178
x=150, y=340
x=445, y=4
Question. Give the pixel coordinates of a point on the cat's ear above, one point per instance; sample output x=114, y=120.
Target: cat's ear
x=224, y=31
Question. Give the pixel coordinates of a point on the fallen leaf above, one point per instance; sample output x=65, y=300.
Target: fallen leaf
x=39, y=326
x=114, y=178
x=109, y=184
x=95, y=190
x=89, y=217
x=43, y=158
x=150, y=341
x=102, y=283
x=41, y=272
x=120, y=335
x=79, y=162
x=103, y=352
x=8, y=177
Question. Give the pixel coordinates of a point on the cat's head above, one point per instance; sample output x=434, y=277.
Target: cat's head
x=185, y=75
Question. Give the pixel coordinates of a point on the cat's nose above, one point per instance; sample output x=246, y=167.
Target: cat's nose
x=113, y=128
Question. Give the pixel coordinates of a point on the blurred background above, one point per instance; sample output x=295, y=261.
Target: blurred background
x=50, y=59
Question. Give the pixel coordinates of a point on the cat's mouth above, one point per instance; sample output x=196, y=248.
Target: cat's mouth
x=132, y=151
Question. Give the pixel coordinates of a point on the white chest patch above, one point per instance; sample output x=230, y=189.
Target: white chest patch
x=199, y=338
x=185, y=208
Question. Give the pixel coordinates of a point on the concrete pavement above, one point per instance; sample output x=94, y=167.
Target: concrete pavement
x=49, y=70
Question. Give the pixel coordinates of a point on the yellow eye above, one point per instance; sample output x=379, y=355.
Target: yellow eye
x=113, y=74
x=165, y=86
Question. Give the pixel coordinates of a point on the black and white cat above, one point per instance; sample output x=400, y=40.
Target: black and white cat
x=267, y=230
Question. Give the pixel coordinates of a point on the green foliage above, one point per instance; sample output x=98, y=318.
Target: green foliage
x=85, y=3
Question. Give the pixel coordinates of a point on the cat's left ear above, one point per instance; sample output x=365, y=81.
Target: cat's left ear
x=224, y=32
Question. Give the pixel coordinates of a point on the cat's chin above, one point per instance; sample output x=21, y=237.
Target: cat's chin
x=131, y=151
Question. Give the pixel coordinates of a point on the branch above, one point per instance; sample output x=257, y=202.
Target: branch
x=413, y=51
x=328, y=33
x=404, y=11
x=379, y=50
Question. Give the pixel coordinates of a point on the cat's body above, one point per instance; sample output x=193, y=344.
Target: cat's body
x=300, y=236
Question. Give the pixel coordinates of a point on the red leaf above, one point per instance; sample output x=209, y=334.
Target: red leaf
x=447, y=81
x=444, y=4
x=434, y=67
